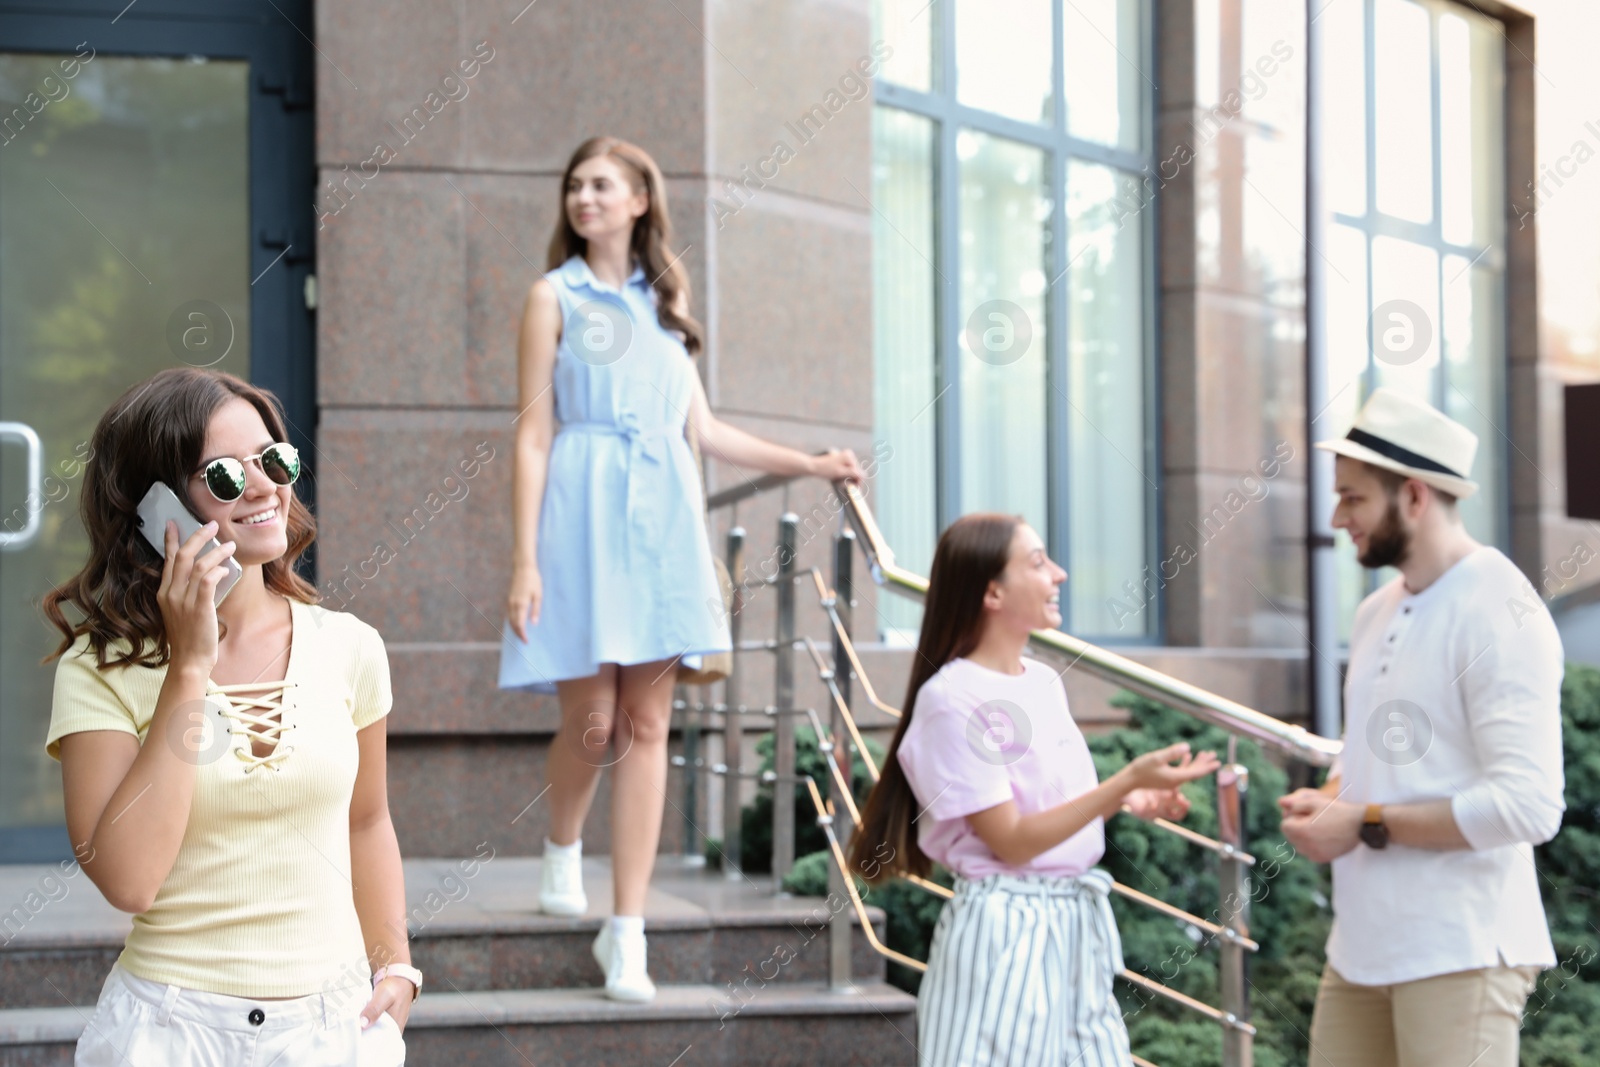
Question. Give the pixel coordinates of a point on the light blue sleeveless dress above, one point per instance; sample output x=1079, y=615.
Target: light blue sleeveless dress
x=623, y=552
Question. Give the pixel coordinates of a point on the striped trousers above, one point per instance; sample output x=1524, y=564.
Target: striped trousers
x=1020, y=973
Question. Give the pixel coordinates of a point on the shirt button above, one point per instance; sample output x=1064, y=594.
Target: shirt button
x=257, y=1016
x=1407, y=609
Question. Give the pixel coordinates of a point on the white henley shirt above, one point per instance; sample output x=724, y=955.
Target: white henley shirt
x=1453, y=692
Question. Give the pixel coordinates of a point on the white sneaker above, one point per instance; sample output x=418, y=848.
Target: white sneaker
x=623, y=961
x=561, y=885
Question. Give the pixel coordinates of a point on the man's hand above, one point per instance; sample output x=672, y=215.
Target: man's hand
x=1147, y=804
x=1319, y=827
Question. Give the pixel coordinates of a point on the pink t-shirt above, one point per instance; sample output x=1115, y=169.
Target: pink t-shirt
x=979, y=737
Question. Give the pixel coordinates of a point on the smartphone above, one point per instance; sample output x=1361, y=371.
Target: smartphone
x=161, y=504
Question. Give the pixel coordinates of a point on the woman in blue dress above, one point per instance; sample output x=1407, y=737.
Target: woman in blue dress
x=612, y=581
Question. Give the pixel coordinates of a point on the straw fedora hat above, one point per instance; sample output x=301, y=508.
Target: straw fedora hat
x=1408, y=437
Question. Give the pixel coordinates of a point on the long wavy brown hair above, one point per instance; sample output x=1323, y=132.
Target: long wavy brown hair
x=156, y=431
x=652, y=235
x=972, y=552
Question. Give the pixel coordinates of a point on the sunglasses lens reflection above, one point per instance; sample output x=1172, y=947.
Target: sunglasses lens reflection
x=282, y=463
x=225, y=479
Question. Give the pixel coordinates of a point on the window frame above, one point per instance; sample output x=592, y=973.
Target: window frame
x=1374, y=223
x=941, y=105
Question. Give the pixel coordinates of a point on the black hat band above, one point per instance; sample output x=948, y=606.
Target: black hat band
x=1395, y=452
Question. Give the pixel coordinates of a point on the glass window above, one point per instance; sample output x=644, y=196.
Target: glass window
x=1106, y=388
x=1405, y=309
x=1474, y=323
x=1427, y=287
x=1005, y=211
x=1011, y=357
x=1404, y=90
x=1471, y=87
x=906, y=26
x=1101, y=45
x=904, y=379
x=1344, y=110
x=125, y=205
x=1003, y=61
x=1348, y=357
x=1349, y=347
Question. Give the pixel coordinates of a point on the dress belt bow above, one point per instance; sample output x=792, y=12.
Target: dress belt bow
x=644, y=442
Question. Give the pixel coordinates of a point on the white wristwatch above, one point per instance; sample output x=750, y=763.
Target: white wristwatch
x=400, y=970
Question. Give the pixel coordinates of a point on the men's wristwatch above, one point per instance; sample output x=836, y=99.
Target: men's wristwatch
x=1373, y=831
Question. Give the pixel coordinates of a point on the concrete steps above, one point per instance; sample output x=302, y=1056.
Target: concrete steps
x=742, y=973
x=800, y=1024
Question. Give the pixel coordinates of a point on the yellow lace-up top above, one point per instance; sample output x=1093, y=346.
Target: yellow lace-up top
x=259, y=717
x=258, y=902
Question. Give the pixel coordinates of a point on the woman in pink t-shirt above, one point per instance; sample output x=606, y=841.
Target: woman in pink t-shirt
x=989, y=776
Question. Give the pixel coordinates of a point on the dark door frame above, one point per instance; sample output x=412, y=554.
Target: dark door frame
x=274, y=37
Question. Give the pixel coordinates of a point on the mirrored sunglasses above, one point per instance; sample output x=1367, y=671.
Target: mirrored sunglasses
x=225, y=477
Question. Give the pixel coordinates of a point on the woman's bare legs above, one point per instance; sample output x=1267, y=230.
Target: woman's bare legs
x=639, y=778
x=617, y=718
x=580, y=749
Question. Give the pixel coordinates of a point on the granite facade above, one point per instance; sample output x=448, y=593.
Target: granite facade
x=440, y=153
x=426, y=250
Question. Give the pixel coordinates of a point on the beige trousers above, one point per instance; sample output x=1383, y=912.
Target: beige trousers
x=1449, y=1020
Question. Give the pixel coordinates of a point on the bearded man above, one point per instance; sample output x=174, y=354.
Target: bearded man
x=1451, y=770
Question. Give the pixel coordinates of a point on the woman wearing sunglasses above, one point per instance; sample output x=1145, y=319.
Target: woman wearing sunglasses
x=612, y=582
x=223, y=765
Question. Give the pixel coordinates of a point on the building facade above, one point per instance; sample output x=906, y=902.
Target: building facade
x=1042, y=257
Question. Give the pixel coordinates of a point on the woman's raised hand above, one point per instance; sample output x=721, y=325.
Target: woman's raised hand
x=1147, y=804
x=187, y=595
x=840, y=465
x=1166, y=768
x=522, y=603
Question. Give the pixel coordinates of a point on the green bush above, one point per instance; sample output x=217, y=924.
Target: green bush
x=1289, y=906
x=1561, y=1026
x=1290, y=912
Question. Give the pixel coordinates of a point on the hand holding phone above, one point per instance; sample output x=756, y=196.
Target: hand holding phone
x=196, y=573
x=159, y=506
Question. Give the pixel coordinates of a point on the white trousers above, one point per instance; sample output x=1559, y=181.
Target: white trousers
x=1020, y=973
x=139, y=1023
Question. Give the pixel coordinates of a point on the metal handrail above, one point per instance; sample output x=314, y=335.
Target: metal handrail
x=826, y=673
x=1288, y=738
x=752, y=487
x=825, y=820
x=826, y=597
x=1221, y=848
x=1226, y=1018
x=826, y=745
x=1291, y=739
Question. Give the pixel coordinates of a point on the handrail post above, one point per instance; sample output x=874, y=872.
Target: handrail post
x=1233, y=782
x=732, y=736
x=783, y=701
x=839, y=926
x=693, y=847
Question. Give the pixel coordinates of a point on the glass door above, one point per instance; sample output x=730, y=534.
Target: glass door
x=131, y=239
